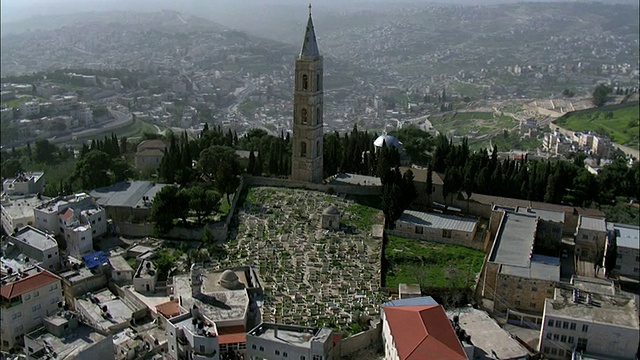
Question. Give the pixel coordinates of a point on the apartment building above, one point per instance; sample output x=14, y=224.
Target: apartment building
x=38, y=246
x=589, y=324
x=25, y=300
x=277, y=341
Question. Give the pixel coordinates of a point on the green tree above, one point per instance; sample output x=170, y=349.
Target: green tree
x=168, y=204
x=93, y=170
x=202, y=202
x=220, y=164
x=600, y=94
x=45, y=152
x=10, y=167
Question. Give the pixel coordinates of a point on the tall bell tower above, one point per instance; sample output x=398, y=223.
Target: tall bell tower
x=306, y=162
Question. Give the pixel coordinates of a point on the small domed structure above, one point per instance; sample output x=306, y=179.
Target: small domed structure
x=230, y=280
x=331, y=218
x=388, y=140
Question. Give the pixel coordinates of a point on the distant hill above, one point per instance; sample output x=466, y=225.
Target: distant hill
x=621, y=123
x=165, y=21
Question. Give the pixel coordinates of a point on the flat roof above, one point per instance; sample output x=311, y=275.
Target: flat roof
x=606, y=309
x=438, y=221
x=544, y=214
x=35, y=238
x=215, y=302
x=69, y=347
x=355, y=179
x=127, y=193
x=487, y=335
x=420, y=175
x=118, y=263
x=22, y=207
x=416, y=301
x=514, y=240
x=540, y=267
x=628, y=236
x=592, y=223
x=119, y=310
x=291, y=335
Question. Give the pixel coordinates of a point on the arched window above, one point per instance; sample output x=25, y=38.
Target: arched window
x=318, y=115
x=305, y=82
x=303, y=115
x=303, y=149
x=318, y=150
x=318, y=82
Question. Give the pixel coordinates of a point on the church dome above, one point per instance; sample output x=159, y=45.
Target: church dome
x=331, y=210
x=388, y=140
x=229, y=280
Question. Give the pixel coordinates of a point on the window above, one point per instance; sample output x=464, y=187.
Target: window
x=517, y=302
x=49, y=256
x=36, y=307
x=202, y=348
x=17, y=315
x=570, y=340
x=532, y=305
x=253, y=346
x=556, y=337
x=582, y=344
x=572, y=326
x=419, y=230
x=303, y=115
x=318, y=115
x=446, y=234
x=549, y=335
x=302, y=357
x=261, y=348
x=53, y=286
x=93, y=222
x=303, y=149
x=27, y=297
x=554, y=351
x=284, y=354
x=519, y=286
x=317, y=82
x=533, y=288
x=619, y=256
x=100, y=219
x=36, y=294
x=305, y=82
x=565, y=325
x=636, y=270
x=277, y=352
x=563, y=338
x=550, y=322
x=18, y=328
x=585, y=236
x=558, y=324
x=585, y=328
x=546, y=349
x=30, y=350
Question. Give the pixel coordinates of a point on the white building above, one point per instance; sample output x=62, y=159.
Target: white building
x=437, y=227
x=121, y=271
x=64, y=102
x=38, y=246
x=18, y=211
x=64, y=338
x=145, y=278
x=83, y=114
x=24, y=184
x=590, y=238
x=596, y=325
x=277, y=341
x=29, y=108
x=26, y=299
x=627, y=239
x=192, y=336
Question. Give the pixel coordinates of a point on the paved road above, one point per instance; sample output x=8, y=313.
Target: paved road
x=121, y=119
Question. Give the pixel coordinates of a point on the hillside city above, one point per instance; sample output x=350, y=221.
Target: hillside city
x=392, y=188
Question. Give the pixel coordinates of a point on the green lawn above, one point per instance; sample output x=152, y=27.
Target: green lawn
x=248, y=108
x=362, y=217
x=620, y=123
x=430, y=264
x=53, y=174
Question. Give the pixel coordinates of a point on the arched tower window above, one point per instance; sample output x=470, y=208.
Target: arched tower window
x=318, y=115
x=305, y=82
x=303, y=115
x=303, y=149
x=318, y=82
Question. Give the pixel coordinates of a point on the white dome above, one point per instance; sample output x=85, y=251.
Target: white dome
x=388, y=140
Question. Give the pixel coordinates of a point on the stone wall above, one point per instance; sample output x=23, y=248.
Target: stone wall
x=290, y=184
x=370, y=339
x=472, y=244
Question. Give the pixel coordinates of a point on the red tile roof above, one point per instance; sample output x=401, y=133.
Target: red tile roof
x=423, y=333
x=231, y=335
x=66, y=214
x=27, y=284
x=169, y=309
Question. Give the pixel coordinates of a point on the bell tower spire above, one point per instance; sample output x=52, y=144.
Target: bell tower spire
x=308, y=103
